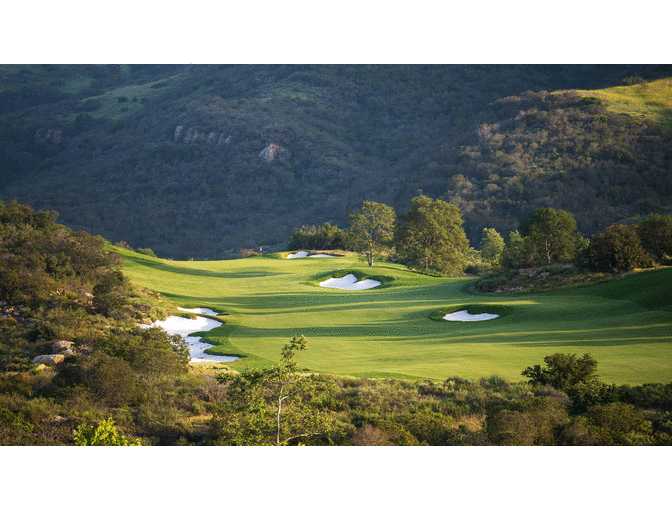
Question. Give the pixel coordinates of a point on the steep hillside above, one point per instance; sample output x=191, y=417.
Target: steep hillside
x=200, y=161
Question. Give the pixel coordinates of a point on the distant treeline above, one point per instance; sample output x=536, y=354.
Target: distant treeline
x=430, y=237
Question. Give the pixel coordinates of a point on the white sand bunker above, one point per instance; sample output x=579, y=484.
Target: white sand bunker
x=184, y=327
x=302, y=254
x=202, y=311
x=349, y=282
x=464, y=316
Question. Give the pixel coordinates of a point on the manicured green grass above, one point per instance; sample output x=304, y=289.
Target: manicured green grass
x=392, y=331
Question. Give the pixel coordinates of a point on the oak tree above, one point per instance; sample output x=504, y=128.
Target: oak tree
x=492, y=245
x=618, y=248
x=550, y=236
x=656, y=235
x=370, y=228
x=430, y=236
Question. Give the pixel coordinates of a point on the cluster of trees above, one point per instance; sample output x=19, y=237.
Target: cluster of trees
x=326, y=237
x=624, y=247
x=548, y=236
x=429, y=236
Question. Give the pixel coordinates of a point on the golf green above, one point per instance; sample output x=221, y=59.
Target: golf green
x=392, y=330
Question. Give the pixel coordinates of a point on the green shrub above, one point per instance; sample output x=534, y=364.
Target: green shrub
x=105, y=434
x=327, y=237
x=618, y=248
x=146, y=251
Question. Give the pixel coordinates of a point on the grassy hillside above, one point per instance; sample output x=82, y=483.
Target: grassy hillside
x=645, y=100
x=391, y=330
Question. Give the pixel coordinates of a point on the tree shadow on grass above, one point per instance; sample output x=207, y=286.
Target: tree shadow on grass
x=602, y=342
x=270, y=303
x=159, y=265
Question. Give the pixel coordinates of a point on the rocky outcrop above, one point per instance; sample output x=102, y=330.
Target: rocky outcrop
x=60, y=350
x=274, y=152
x=63, y=347
x=49, y=359
x=179, y=132
x=11, y=312
x=49, y=136
x=187, y=135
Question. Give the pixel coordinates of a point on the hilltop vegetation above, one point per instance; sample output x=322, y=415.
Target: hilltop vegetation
x=69, y=343
x=201, y=161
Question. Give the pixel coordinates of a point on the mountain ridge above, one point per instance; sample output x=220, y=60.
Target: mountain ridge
x=99, y=144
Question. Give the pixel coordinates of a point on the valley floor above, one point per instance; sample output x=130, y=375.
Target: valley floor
x=387, y=330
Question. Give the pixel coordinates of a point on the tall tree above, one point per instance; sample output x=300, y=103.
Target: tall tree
x=430, y=235
x=618, y=248
x=550, y=236
x=514, y=253
x=656, y=235
x=492, y=245
x=371, y=228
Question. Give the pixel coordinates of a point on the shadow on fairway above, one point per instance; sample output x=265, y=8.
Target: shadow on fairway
x=291, y=302
x=238, y=273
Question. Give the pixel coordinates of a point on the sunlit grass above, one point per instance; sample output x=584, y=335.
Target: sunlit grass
x=648, y=100
x=135, y=95
x=390, y=330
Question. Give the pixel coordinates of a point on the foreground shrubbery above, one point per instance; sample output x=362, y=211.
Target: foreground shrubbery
x=242, y=409
x=490, y=411
x=64, y=297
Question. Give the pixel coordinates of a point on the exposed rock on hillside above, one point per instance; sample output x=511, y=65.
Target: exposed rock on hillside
x=52, y=139
x=274, y=152
x=49, y=359
x=48, y=135
x=178, y=133
x=11, y=312
x=62, y=347
x=187, y=135
x=60, y=350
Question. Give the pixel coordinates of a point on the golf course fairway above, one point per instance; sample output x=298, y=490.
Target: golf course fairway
x=392, y=330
